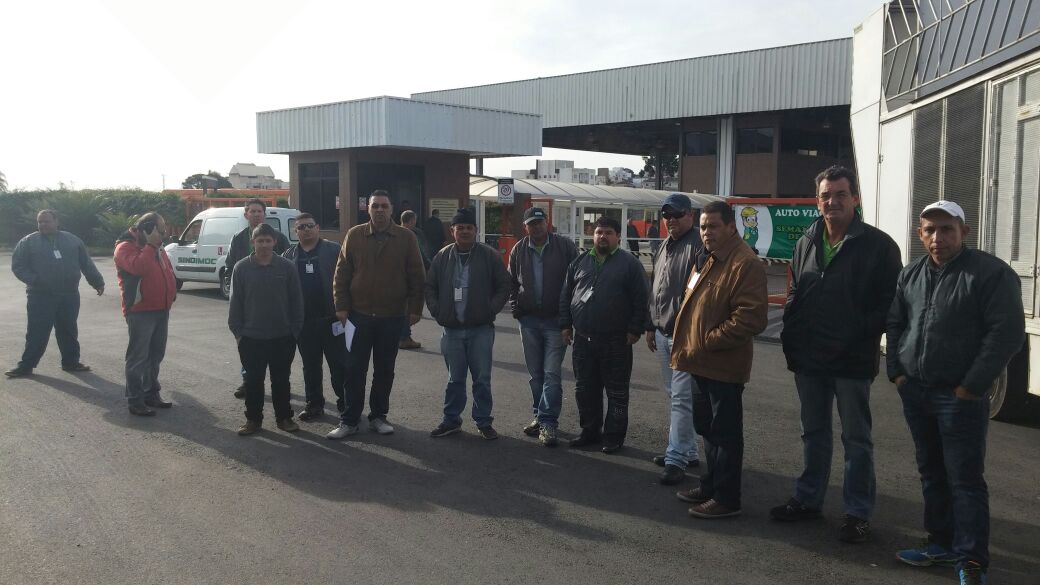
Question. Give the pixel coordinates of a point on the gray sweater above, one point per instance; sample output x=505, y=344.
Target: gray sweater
x=35, y=263
x=266, y=301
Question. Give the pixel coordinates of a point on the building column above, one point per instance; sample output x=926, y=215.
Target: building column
x=727, y=156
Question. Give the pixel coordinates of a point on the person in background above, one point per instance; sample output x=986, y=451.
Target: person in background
x=50, y=262
x=315, y=260
x=266, y=318
x=537, y=268
x=408, y=220
x=466, y=287
x=242, y=246
x=148, y=290
x=653, y=233
x=633, y=236
x=434, y=230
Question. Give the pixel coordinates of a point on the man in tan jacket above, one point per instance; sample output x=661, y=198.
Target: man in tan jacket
x=724, y=308
x=378, y=286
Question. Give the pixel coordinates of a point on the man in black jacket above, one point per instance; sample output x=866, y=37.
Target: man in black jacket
x=466, y=287
x=242, y=246
x=315, y=259
x=537, y=266
x=955, y=322
x=843, y=279
x=603, y=311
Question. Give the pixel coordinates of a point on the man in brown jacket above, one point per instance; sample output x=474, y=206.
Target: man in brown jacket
x=724, y=308
x=378, y=286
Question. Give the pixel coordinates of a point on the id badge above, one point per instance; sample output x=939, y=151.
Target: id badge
x=458, y=294
x=585, y=297
x=57, y=254
x=309, y=268
x=693, y=280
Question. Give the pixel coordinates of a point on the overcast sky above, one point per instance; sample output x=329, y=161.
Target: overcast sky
x=108, y=93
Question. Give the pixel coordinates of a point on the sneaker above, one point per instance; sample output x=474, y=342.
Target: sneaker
x=76, y=367
x=343, y=430
x=409, y=343
x=249, y=428
x=18, y=372
x=445, y=429
x=532, y=428
x=379, y=425
x=140, y=410
x=713, y=509
x=158, y=402
x=547, y=436
x=854, y=529
x=792, y=511
x=672, y=475
x=288, y=425
x=309, y=413
x=240, y=392
x=972, y=574
x=693, y=496
x=488, y=433
x=929, y=555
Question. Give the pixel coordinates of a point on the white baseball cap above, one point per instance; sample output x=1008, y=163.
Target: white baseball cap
x=948, y=207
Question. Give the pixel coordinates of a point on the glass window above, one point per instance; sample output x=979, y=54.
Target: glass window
x=754, y=140
x=700, y=143
x=219, y=231
x=190, y=235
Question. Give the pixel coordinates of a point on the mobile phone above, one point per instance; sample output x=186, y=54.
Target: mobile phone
x=147, y=227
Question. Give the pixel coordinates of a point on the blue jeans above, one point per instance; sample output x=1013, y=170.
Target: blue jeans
x=468, y=350
x=950, y=440
x=682, y=439
x=817, y=394
x=543, y=351
x=46, y=311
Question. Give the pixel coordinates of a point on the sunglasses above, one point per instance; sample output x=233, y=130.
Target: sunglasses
x=305, y=226
x=673, y=214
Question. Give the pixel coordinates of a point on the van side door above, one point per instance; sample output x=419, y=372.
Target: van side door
x=186, y=249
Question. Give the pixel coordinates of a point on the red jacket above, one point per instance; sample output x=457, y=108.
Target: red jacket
x=146, y=278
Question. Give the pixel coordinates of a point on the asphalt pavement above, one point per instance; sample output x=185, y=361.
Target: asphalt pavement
x=90, y=494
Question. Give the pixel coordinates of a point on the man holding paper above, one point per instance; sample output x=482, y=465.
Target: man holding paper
x=378, y=285
x=315, y=259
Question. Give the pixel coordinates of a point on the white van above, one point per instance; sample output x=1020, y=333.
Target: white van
x=198, y=255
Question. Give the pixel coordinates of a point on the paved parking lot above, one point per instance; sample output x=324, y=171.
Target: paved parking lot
x=89, y=494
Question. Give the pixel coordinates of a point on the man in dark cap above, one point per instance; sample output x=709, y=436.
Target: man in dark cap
x=537, y=266
x=466, y=286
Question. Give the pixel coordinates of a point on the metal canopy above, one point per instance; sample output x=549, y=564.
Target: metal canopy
x=486, y=188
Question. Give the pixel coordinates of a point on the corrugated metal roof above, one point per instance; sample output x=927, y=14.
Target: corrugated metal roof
x=798, y=76
x=487, y=187
x=402, y=123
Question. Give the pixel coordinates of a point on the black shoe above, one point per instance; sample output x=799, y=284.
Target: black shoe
x=310, y=413
x=445, y=429
x=583, y=440
x=693, y=496
x=854, y=530
x=18, y=372
x=533, y=428
x=612, y=448
x=158, y=402
x=658, y=460
x=793, y=511
x=488, y=433
x=240, y=392
x=141, y=410
x=76, y=367
x=673, y=474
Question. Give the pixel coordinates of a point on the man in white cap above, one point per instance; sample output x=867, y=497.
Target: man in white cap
x=955, y=322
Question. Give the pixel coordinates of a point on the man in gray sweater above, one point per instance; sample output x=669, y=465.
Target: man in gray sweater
x=266, y=317
x=50, y=262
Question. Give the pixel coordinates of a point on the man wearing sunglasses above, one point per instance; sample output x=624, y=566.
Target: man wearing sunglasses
x=315, y=259
x=673, y=264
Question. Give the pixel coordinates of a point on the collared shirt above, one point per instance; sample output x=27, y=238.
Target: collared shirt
x=829, y=251
x=310, y=281
x=601, y=261
x=462, y=283
x=538, y=269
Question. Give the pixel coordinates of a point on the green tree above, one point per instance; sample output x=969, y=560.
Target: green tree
x=669, y=164
x=196, y=181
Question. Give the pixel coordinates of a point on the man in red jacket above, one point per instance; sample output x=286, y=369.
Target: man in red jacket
x=148, y=290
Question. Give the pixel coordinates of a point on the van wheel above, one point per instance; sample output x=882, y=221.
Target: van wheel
x=225, y=286
x=1008, y=394
x=180, y=283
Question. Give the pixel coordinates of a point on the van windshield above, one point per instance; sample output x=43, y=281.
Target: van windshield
x=218, y=231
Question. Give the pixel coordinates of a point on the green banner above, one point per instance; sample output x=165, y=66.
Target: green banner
x=772, y=230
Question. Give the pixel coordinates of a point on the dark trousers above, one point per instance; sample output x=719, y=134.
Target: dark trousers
x=950, y=440
x=144, y=354
x=259, y=355
x=376, y=339
x=602, y=363
x=46, y=311
x=317, y=342
x=718, y=416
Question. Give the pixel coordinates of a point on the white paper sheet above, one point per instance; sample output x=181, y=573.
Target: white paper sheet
x=350, y=330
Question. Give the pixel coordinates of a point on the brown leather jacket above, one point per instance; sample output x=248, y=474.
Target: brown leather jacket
x=720, y=316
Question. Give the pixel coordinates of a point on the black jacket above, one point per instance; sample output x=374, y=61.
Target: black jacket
x=556, y=257
x=488, y=287
x=241, y=245
x=834, y=317
x=955, y=326
x=328, y=254
x=619, y=300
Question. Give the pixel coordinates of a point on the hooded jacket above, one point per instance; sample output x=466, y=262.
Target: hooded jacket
x=146, y=280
